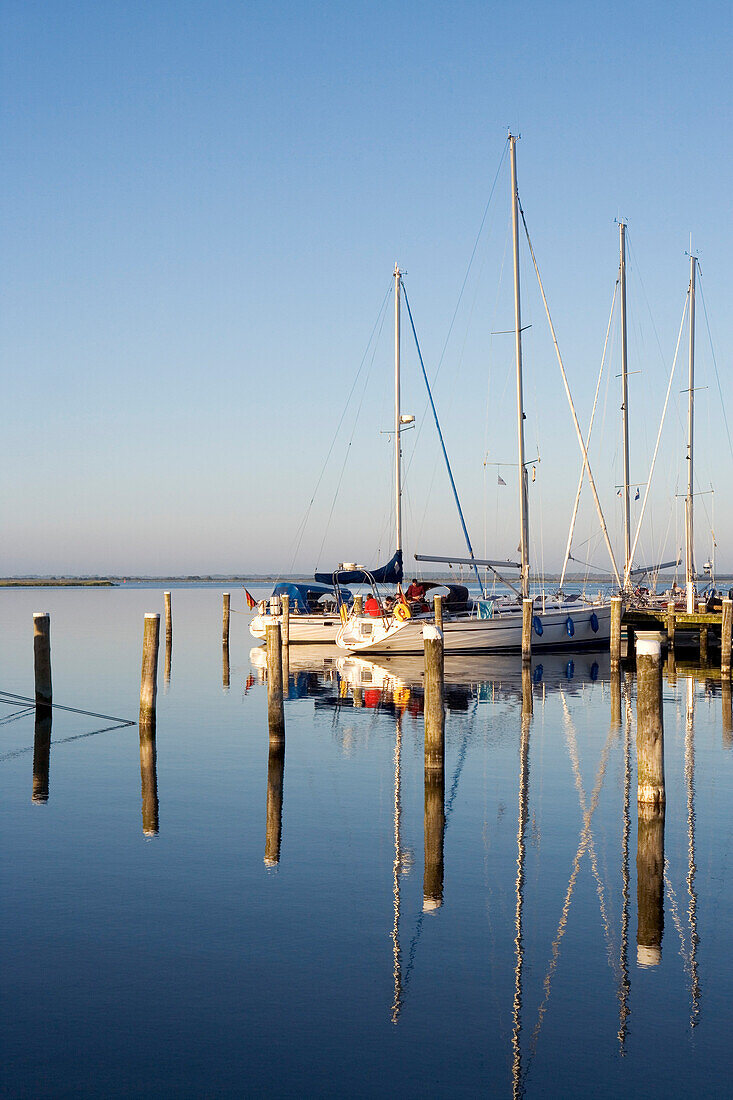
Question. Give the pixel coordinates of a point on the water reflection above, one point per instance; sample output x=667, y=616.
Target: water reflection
x=650, y=883
x=274, y=805
x=225, y=666
x=41, y=753
x=149, y=778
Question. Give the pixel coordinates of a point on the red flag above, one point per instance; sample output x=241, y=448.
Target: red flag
x=251, y=601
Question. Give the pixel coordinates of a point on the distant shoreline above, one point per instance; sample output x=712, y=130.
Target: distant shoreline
x=571, y=581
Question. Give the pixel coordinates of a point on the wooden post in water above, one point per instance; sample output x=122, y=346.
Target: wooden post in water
x=438, y=606
x=149, y=778
x=274, y=808
x=358, y=605
x=225, y=619
x=650, y=883
x=671, y=668
x=168, y=618
x=671, y=619
x=434, y=826
x=616, y=603
x=703, y=646
x=41, y=753
x=149, y=675
x=434, y=703
x=527, y=608
x=286, y=620
x=42, y=657
x=649, y=719
x=726, y=623
x=275, y=707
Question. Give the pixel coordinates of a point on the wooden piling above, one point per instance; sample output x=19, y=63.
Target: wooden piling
x=438, y=608
x=41, y=753
x=286, y=620
x=703, y=646
x=671, y=619
x=671, y=668
x=42, y=657
x=149, y=779
x=225, y=619
x=434, y=700
x=434, y=827
x=275, y=707
x=616, y=603
x=649, y=719
x=149, y=675
x=168, y=618
x=725, y=637
x=274, y=808
x=527, y=609
x=358, y=605
x=650, y=883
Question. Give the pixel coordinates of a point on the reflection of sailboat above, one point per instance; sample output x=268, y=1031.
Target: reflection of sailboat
x=397, y=870
x=691, y=867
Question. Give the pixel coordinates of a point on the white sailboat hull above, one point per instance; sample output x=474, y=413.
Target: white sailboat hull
x=584, y=624
x=304, y=629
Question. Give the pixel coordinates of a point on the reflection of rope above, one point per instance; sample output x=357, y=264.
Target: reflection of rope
x=66, y=740
x=572, y=744
x=16, y=715
x=584, y=841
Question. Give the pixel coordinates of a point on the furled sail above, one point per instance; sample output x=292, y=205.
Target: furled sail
x=391, y=573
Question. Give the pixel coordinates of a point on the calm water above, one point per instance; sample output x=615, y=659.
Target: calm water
x=185, y=962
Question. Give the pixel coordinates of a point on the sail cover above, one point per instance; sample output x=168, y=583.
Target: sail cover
x=391, y=573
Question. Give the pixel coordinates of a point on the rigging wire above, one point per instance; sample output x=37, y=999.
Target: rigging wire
x=715, y=362
x=300, y=530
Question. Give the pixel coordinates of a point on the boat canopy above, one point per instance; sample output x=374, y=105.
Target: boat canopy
x=305, y=596
x=391, y=573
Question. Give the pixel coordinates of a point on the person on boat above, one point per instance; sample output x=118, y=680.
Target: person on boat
x=371, y=607
x=416, y=592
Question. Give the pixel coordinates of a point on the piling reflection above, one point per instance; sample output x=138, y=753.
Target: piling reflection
x=225, y=673
x=167, y=663
x=727, y=715
x=149, y=778
x=650, y=883
x=434, y=837
x=274, y=809
x=41, y=753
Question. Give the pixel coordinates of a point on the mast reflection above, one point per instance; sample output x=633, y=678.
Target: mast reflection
x=523, y=814
x=691, y=866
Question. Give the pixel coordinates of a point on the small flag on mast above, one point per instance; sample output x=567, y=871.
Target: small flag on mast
x=637, y=495
x=251, y=601
x=501, y=480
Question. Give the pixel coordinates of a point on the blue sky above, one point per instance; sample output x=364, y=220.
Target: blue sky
x=203, y=206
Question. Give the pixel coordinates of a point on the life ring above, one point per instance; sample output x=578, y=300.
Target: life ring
x=401, y=612
x=537, y=626
x=569, y=627
x=594, y=622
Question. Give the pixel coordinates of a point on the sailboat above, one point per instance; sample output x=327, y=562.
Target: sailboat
x=556, y=621
x=318, y=609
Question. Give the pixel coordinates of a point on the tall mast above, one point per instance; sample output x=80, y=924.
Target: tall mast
x=397, y=457
x=625, y=407
x=689, y=548
x=523, y=501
